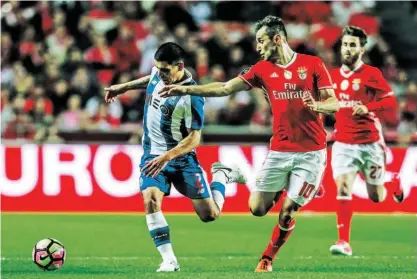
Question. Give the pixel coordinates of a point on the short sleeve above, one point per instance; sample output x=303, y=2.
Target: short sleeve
x=323, y=78
x=250, y=76
x=195, y=116
x=381, y=86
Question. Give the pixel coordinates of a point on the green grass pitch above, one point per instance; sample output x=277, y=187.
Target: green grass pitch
x=119, y=246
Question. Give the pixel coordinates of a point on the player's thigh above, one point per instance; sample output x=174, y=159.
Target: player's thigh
x=271, y=180
x=374, y=167
x=273, y=176
x=344, y=183
x=306, y=176
x=206, y=209
x=161, y=181
x=188, y=178
x=346, y=159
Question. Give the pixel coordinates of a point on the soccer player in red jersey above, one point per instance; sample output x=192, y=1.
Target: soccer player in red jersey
x=299, y=89
x=361, y=90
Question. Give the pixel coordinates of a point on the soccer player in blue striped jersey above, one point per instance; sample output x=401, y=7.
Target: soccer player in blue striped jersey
x=172, y=131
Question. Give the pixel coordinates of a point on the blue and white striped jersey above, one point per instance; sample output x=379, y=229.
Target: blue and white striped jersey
x=165, y=120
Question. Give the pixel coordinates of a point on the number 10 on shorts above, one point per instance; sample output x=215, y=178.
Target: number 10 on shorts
x=306, y=190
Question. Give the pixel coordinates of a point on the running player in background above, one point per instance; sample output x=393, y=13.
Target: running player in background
x=361, y=90
x=172, y=130
x=299, y=89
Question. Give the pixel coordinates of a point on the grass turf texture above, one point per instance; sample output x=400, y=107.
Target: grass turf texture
x=119, y=246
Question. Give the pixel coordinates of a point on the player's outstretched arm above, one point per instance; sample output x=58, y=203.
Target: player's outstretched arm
x=113, y=91
x=330, y=105
x=217, y=89
x=153, y=167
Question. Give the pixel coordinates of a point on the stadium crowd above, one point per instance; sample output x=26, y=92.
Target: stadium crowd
x=56, y=58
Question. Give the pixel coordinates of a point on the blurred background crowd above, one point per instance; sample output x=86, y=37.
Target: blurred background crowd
x=57, y=56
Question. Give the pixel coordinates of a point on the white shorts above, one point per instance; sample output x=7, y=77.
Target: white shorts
x=300, y=173
x=369, y=159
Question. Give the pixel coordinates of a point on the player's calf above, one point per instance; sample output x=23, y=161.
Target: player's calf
x=280, y=234
x=158, y=228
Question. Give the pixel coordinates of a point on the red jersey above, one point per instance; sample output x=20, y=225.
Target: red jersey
x=295, y=127
x=363, y=85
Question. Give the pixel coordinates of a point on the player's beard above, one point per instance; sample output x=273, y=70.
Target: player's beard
x=351, y=60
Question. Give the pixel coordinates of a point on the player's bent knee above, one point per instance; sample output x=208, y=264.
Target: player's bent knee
x=258, y=211
x=376, y=198
x=285, y=218
x=208, y=216
x=151, y=201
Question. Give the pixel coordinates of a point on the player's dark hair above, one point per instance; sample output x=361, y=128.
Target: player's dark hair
x=356, y=32
x=170, y=52
x=274, y=25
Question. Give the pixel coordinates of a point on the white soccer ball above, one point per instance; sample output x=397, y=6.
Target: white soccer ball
x=49, y=254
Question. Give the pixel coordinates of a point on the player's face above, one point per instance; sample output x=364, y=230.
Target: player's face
x=351, y=50
x=167, y=72
x=266, y=47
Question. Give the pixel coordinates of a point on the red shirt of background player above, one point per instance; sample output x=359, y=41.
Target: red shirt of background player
x=295, y=127
x=364, y=85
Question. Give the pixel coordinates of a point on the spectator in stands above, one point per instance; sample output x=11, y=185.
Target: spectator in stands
x=20, y=127
x=128, y=53
x=9, y=52
x=73, y=118
x=93, y=105
x=400, y=84
x=6, y=111
x=102, y=120
x=82, y=84
x=58, y=44
x=59, y=96
x=102, y=58
x=407, y=128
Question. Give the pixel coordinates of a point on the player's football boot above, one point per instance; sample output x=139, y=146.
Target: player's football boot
x=264, y=265
x=168, y=267
x=395, y=184
x=341, y=248
x=232, y=174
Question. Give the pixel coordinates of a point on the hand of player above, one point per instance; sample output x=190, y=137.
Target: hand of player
x=172, y=90
x=153, y=167
x=113, y=91
x=360, y=110
x=310, y=102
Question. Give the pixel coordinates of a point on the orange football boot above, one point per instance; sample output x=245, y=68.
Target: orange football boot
x=264, y=265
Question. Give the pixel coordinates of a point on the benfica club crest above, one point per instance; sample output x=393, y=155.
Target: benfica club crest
x=356, y=84
x=302, y=72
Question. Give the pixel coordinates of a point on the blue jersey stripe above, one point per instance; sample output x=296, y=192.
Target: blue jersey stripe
x=197, y=112
x=147, y=140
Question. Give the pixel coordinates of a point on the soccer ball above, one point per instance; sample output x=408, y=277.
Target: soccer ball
x=49, y=254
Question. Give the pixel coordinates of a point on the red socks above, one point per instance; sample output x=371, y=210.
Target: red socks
x=344, y=217
x=278, y=238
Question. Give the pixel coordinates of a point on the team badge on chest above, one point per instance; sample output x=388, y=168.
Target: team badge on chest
x=302, y=73
x=356, y=84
